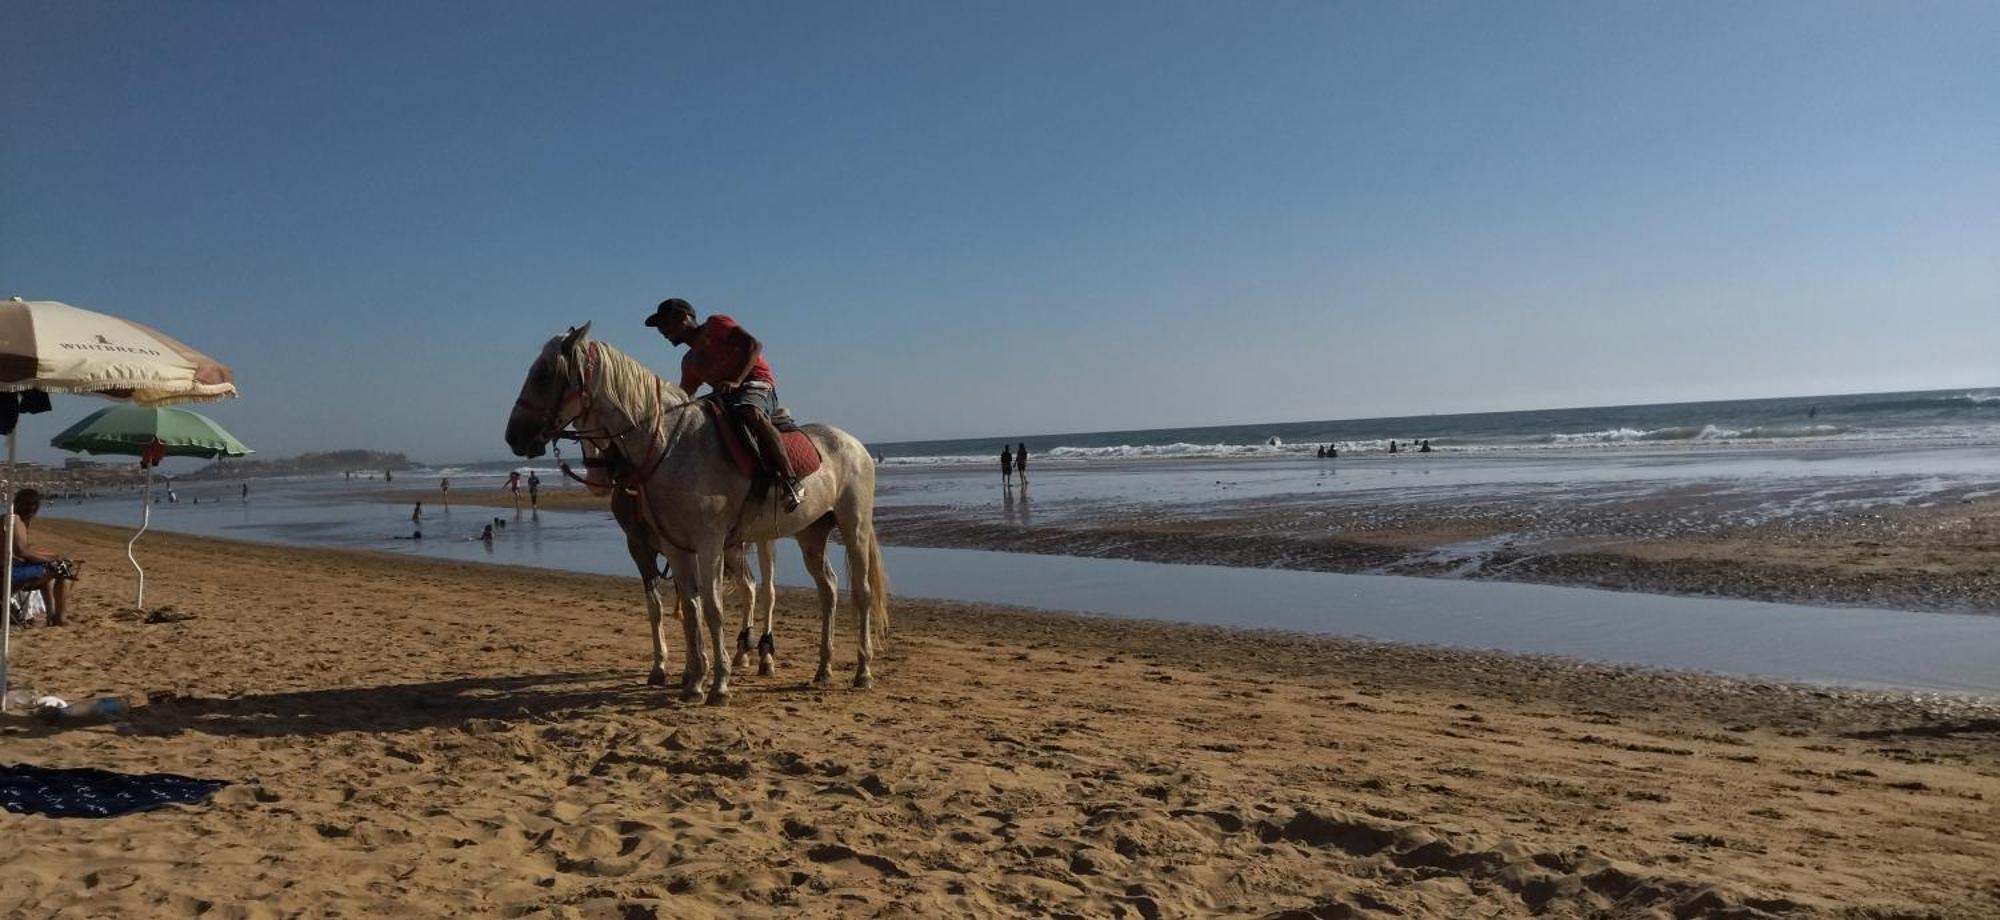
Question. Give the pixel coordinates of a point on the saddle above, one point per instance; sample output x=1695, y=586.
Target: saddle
x=742, y=447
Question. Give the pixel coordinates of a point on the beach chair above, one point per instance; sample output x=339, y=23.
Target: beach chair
x=23, y=607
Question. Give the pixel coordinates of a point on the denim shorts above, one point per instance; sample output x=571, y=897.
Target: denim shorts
x=764, y=398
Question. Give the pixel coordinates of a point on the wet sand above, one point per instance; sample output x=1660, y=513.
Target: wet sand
x=1886, y=541
x=1942, y=557
x=416, y=738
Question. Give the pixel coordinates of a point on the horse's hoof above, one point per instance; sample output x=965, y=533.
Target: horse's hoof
x=656, y=679
x=743, y=641
x=863, y=681
x=742, y=657
x=764, y=668
x=691, y=695
x=822, y=681
x=718, y=699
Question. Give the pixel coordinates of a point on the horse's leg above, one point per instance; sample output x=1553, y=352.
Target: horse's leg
x=812, y=543
x=691, y=616
x=708, y=573
x=736, y=568
x=649, y=582
x=857, y=535
x=767, y=580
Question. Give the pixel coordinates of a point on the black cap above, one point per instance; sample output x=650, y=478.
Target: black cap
x=669, y=306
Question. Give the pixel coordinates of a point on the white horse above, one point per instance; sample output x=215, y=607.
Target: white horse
x=695, y=502
x=604, y=469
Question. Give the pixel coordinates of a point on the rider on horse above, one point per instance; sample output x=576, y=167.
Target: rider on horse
x=730, y=360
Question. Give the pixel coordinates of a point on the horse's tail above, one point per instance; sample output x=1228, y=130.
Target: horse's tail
x=878, y=584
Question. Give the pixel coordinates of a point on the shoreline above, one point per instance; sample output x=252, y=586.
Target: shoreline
x=1687, y=541
x=416, y=736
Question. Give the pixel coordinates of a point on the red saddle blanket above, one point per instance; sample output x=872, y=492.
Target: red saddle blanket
x=803, y=453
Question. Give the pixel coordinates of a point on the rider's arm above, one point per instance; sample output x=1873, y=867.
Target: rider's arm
x=751, y=349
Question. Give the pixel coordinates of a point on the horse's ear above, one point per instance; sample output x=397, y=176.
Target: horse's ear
x=574, y=335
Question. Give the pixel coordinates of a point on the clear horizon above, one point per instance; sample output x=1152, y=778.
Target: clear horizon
x=947, y=221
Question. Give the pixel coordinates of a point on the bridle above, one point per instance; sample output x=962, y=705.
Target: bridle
x=605, y=442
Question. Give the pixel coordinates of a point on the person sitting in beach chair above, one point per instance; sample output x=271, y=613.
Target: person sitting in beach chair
x=730, y=360
x=39, y=569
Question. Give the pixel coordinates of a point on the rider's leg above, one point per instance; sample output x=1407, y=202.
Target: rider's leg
x=773, y=447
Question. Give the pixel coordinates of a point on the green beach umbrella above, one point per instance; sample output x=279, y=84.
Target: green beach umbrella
x=149, y=433
x=128, y=430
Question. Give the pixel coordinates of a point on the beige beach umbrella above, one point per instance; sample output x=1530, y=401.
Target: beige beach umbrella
x=56, y=348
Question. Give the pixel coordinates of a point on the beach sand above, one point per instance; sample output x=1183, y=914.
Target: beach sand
x=411, y=738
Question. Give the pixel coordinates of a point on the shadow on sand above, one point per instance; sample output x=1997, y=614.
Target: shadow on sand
x=401, y=707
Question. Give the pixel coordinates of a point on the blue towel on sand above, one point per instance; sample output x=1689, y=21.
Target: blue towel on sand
x=94, y=793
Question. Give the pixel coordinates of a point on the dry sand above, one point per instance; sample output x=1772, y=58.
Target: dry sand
x=410, y=738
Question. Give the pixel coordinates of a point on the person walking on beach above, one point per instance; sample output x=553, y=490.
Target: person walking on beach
x=1021, y=461
x=246, y=493
x=514, y=488
x=417, y=521
x=534, y=489
x=730, y=360
x=444, y=488
x=1006, y=466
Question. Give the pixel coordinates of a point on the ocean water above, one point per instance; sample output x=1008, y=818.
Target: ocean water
x=1940, y=417
x=1936, y=418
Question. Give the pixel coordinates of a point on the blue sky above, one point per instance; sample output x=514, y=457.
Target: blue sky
x=955, y=219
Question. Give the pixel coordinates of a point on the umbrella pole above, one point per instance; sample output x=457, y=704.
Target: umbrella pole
x=7, y=573
x=145, y=518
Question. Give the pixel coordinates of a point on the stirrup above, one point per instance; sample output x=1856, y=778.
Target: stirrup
x=789, y=495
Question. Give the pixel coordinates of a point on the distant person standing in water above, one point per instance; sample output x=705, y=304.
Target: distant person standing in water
x=444, y=488
x=514, y=488
x=388, y=476
x=1006, y=466
x=534, y=489
x=417, y=521
x=1021, y=461
x=246, y=493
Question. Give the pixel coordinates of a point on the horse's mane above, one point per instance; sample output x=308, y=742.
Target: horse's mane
x=623, y=381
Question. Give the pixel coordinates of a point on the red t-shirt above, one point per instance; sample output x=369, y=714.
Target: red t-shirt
x=713, y=354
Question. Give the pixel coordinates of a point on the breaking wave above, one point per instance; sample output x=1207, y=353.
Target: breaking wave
x=1698, y=433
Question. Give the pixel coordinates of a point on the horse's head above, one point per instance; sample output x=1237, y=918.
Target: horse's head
x=552, y=397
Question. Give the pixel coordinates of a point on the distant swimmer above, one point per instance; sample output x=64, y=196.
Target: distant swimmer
x=1319, y=450
x=1392, y=447
x=486, y=535
x=1812, y=412
x=1426, y=448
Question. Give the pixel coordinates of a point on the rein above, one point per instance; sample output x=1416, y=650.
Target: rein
x=656, y=452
